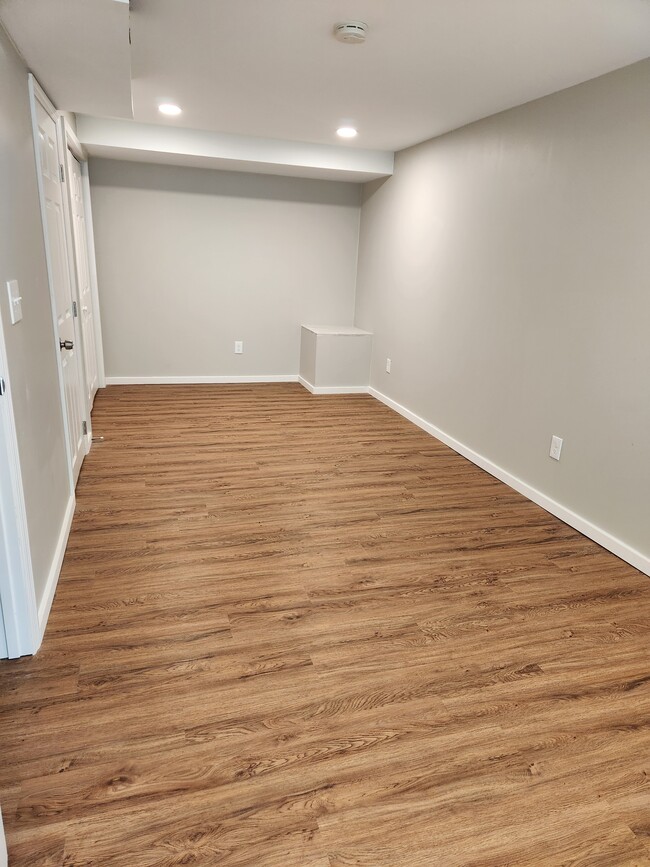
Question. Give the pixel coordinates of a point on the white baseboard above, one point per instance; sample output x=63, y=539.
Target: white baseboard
x=592, y=531
x=333, y=389
x=55, y=569
x=196, y=380
x=3, y=845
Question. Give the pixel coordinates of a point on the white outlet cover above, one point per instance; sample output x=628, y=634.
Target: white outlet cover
x=239, y=347
x=556, y=448
x=15, y=301
x=388, y=365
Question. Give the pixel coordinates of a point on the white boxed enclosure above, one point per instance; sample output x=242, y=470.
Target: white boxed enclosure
x=335, y=359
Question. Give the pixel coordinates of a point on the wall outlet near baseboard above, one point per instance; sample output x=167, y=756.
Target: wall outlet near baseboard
x=556, y=448
x=388, y=365
x=239, y=347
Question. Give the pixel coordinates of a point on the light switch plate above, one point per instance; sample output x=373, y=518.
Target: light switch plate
x=15, y=301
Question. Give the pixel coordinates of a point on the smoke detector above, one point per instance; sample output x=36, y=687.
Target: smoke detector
x=353, y=32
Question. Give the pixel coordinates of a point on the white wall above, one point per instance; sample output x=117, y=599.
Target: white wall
x=190, y=260
x=30, y=344
x=505, y=270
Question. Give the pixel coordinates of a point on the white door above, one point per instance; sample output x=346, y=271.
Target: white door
x=84, y=291
x=51, y=172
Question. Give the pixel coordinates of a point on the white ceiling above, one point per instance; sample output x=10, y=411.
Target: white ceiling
x=272, y=68
x=78, y=49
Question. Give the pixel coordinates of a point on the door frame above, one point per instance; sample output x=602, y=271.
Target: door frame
x=36, y=93
x=19, y=610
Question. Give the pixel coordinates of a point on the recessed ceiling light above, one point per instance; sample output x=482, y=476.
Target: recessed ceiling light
x=346, y=132
x=169, y=108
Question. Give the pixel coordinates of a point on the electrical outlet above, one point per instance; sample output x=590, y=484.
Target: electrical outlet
x=239, y=347
x=388, y=365
x=556, y=448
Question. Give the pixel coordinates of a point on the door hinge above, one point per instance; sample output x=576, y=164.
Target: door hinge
x=61, y=173
x=3, y=386
x=84, y=428
x=74, y=309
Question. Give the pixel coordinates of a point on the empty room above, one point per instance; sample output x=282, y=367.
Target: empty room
x=324, y=433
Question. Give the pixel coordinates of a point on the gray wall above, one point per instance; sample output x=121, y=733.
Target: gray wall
x=30, y=344
x=190, y=260
x=505, y=270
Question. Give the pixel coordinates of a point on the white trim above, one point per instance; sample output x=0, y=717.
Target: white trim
x=3, y=845
x=72, y=142
x=42, y=97
x=592, y=531
x=55, y=569
x=17, y=585
x=92, y=269
x=189, y=380
x=333, y=389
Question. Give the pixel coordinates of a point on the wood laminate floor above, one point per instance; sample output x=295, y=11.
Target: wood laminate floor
x=296, y=631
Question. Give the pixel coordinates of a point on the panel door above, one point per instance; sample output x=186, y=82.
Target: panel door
x=61, y=285
x=86, y=312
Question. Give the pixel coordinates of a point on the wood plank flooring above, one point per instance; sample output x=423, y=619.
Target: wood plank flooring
x=296, y=631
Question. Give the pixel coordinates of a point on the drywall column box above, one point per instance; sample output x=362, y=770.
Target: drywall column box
x=335, y=359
